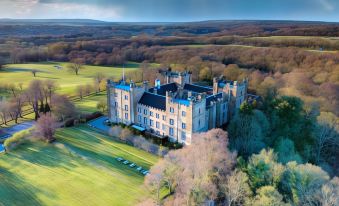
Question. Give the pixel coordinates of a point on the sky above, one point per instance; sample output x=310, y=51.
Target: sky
x=171, y=10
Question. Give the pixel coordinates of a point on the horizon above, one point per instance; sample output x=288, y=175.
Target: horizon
x=172, y=11
x=194, y=21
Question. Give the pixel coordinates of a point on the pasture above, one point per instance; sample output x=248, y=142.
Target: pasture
x=79, y=169
x=67, y=81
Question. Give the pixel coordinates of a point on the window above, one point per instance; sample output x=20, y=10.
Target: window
x=199, y=123
x=171, y=121
x=115, y=104
x=157, y=115
x=126, y=97
x=145, y=111
x=139, y=118
x=151, y=113
x=163, y=127
x=126, y=107
x=115, y=94
x=164, y=117
x=126, y=115
x=171, y=109
x=183, y=125
x=157, y=124
x=183, y=136
x=139, y=109
x=151, y=123
x=199, y=110
x=171, y=131
x=145, y=120
x=183, y=113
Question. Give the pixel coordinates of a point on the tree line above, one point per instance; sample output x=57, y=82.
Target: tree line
x=278, y=153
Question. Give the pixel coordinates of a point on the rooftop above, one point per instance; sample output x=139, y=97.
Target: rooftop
x=153, y=100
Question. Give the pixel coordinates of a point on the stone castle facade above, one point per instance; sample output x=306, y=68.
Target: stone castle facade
x=176, y=109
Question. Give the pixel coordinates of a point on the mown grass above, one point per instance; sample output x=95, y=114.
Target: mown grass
x=79, y=169
x=89, y=104
x=66, y=80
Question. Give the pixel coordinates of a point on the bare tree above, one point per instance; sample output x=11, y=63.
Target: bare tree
x=76, y=65
x=33, y=95
x=45, y=127
x=236, y=188
x=326, y=135
x=102, y=105
x=329, y=194
x=80, y=91
x=4, y=111
x=88, y=89
x=98, y=78
x=201, y=166
x=62, y=107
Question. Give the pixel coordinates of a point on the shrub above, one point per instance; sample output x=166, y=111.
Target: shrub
x=17, y=139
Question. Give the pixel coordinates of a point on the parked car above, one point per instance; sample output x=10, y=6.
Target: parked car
x=139, y=168
x=119, y=159
x=125, y=162
x=132, y=165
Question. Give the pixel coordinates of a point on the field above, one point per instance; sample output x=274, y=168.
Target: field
x=66, y=80
x=79, y=169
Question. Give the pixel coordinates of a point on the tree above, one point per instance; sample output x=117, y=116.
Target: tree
x=34, y=72
x=80, y=91
x=268, y=196
x=329, y=194
x=300, y=183
x=4, y=111
x=62, y=108
x=286, y=151
x=98, y=78
x=33, y=95
x=76, y=65
x=248, y=130
x=326, y=136
x=205, y=74
x=46, y=127
x=236, y=188
x=125, y=134
x=263, y=169
x=202, y=166
x=102, y=105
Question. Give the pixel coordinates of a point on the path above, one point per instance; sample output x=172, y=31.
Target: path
x=16, y=128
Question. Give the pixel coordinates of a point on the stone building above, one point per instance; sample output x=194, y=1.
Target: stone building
x=176, y=109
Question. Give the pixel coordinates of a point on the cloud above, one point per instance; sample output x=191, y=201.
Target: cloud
x=327, y=5
x=57, y=9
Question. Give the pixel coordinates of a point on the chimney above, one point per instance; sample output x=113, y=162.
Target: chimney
x=145, y=85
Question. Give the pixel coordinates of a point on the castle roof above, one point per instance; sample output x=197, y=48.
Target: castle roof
x=153, y=100
x=171, y=87
x=197, y=88
x=211, y=98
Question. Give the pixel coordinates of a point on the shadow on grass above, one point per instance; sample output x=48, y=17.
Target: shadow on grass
x=104, y=159
x=15, y=191
x=44, y=154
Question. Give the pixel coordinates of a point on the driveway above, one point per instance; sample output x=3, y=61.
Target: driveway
x=17, y=128
x=99, y=124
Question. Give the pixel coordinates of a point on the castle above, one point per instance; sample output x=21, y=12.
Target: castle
x=177, y=109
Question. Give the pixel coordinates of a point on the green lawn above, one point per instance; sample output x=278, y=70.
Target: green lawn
x=67, y=81
x=79, y=169
x=89, y=104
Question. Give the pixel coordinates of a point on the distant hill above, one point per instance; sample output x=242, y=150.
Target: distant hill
x=52, y=21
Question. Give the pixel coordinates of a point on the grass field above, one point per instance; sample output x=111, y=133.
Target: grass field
x=79, y=169
x=89, y=104
x=66, y=81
